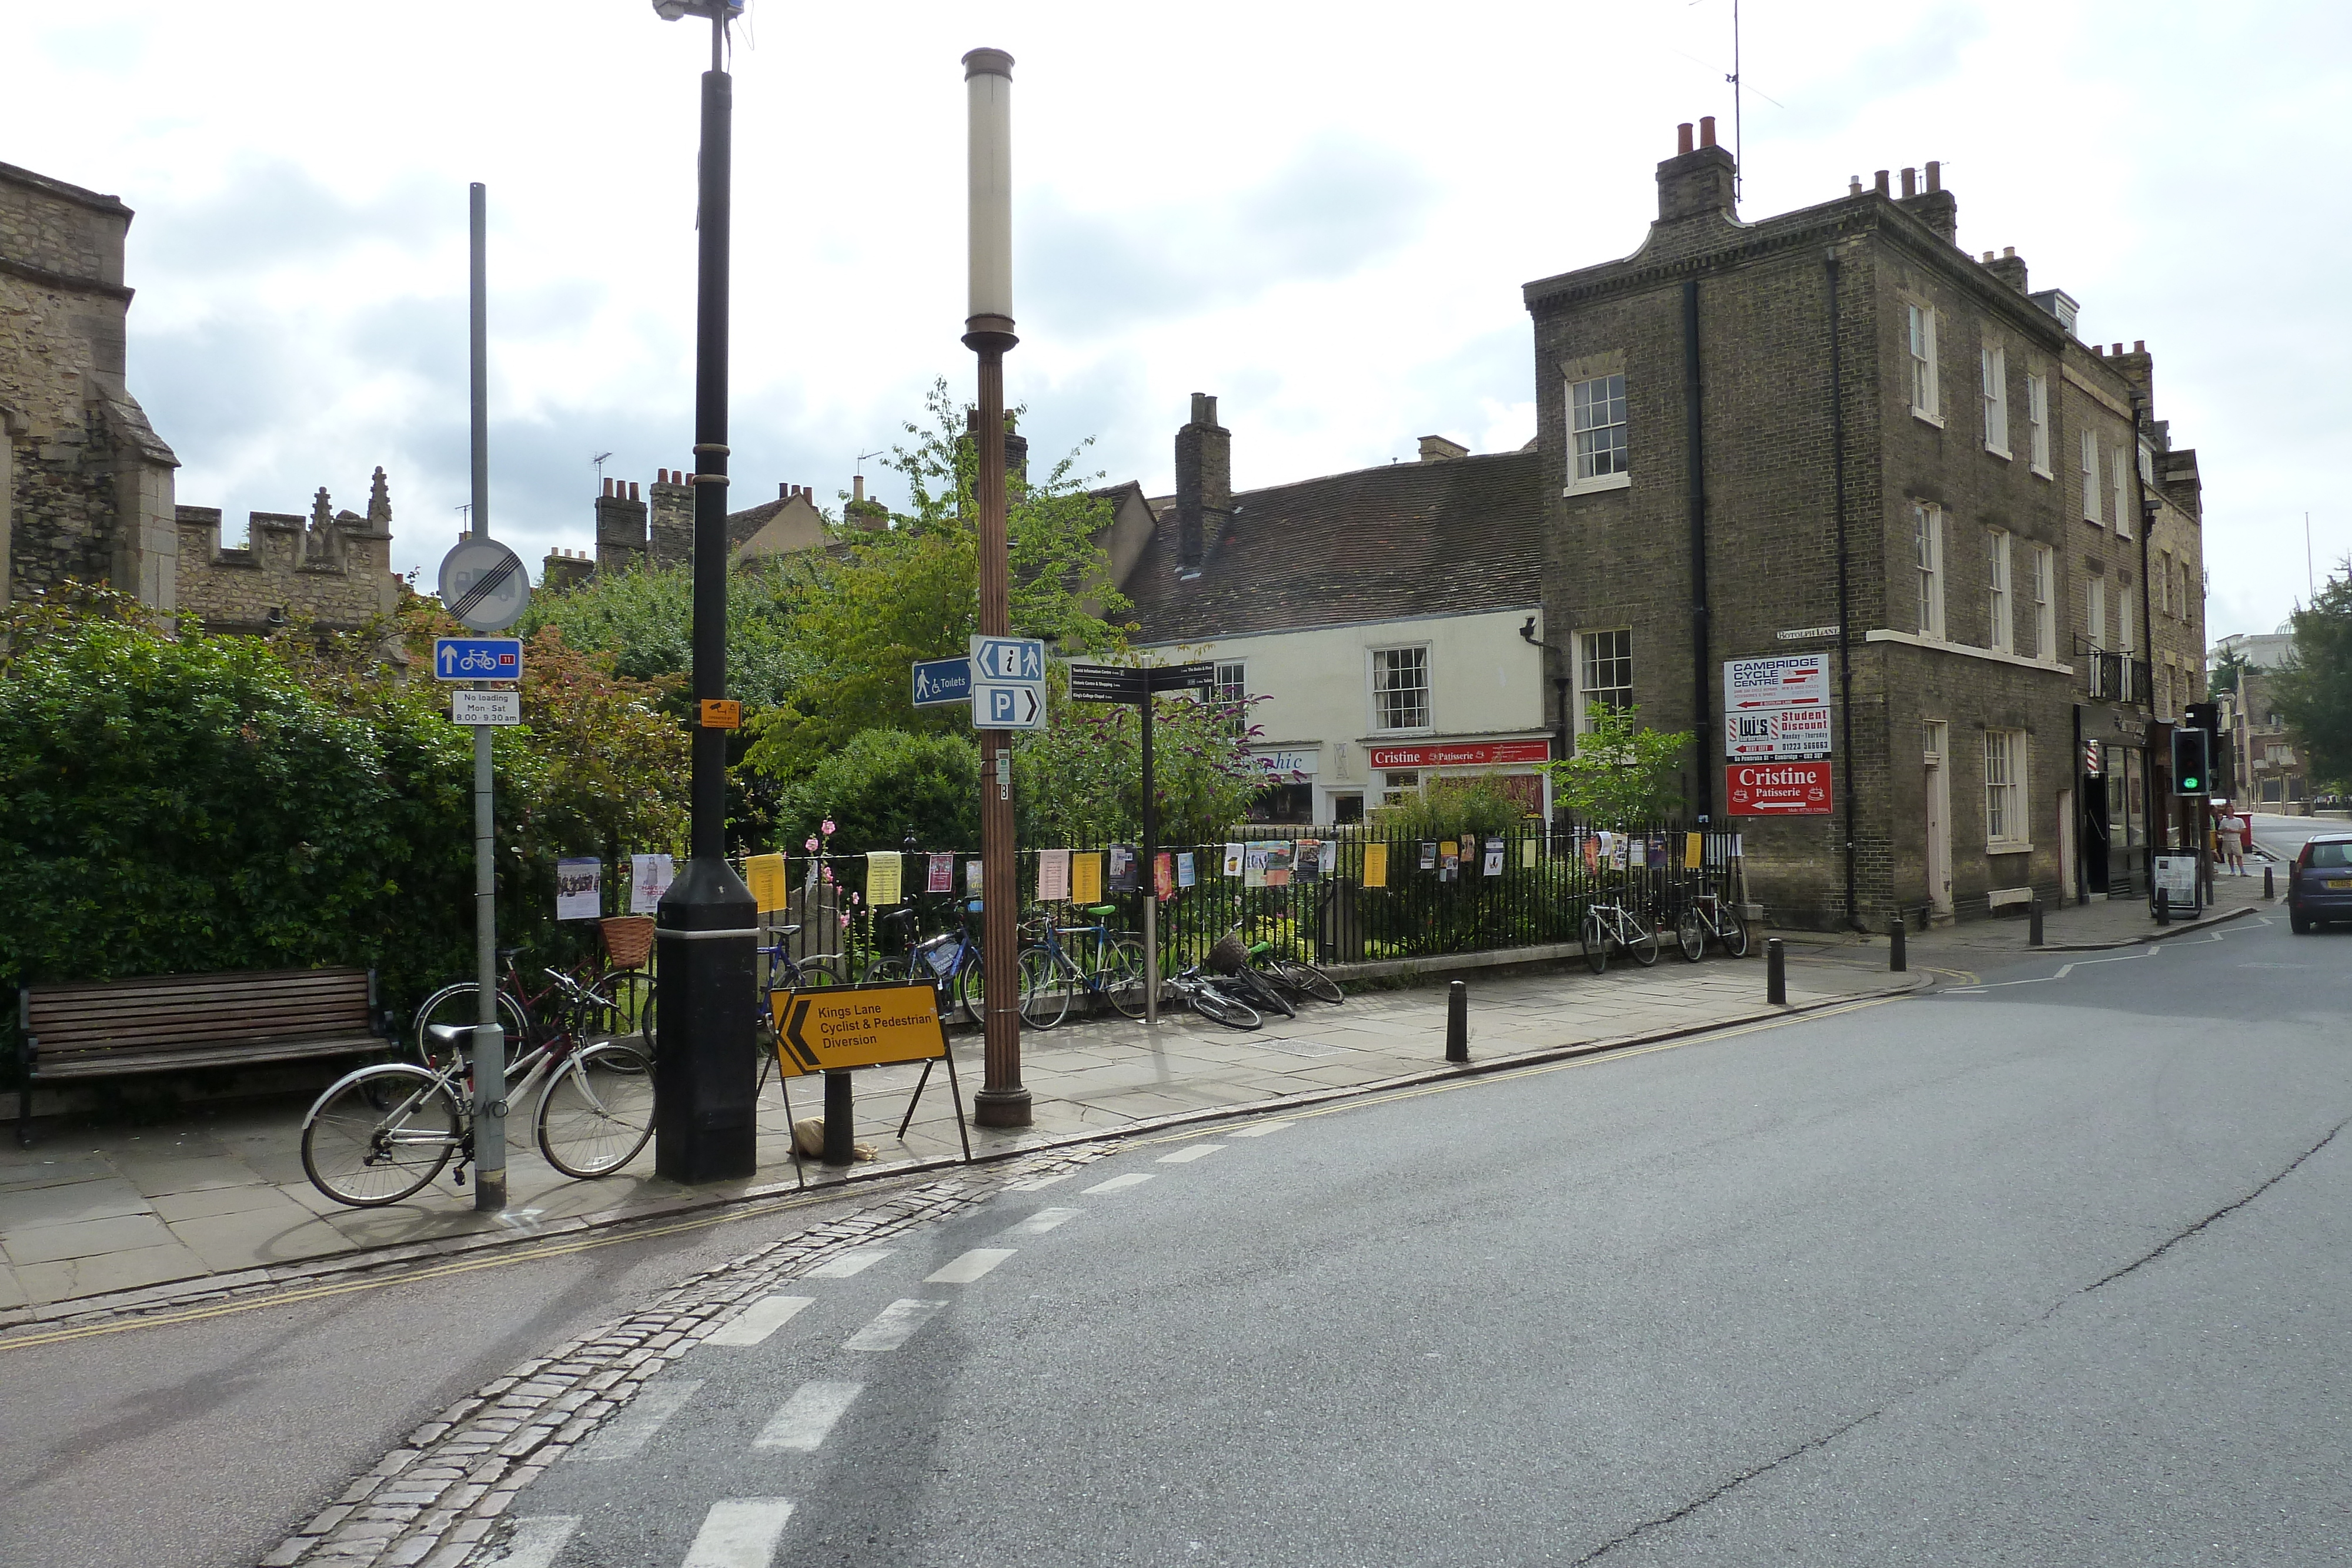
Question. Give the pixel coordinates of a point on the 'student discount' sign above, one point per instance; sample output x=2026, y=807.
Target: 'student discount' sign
x=1776, y=789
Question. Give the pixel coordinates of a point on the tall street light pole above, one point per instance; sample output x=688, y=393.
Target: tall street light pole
x=1001, y=1102
x=704, y=1067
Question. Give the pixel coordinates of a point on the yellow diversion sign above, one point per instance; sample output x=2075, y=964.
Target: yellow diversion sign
x=834, y=1027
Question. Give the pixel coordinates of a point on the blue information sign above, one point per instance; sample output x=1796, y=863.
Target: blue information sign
x=1009, y=658
x=478, y=658
x=941, y=682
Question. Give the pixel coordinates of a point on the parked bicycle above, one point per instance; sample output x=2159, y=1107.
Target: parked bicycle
x=1292, y=977
x=382, y=1132
x=621, y=1007
x=1106, y=966
x=1705, y=914
x=1612, y=924
x=1229, y=959
x=1213, y=996
x=950, y=960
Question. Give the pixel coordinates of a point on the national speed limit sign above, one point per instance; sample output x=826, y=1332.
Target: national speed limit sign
x=483, y=585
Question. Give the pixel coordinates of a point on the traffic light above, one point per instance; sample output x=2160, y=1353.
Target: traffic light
x=2191, y=751
x=2221, y=758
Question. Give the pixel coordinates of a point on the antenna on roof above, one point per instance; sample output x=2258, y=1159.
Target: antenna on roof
x=1738, y=152
x=599, y=461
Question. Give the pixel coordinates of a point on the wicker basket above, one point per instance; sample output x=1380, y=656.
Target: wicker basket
x=628, y=939
x=1229, y=956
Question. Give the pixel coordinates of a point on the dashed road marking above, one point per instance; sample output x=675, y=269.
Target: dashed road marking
x=857, y=1260
x=1260, y=1131
x=969, y=1267
x=1121, y=1183
x=1187, y=1156
x=626, y=1434
x=1041, y=1221
x=1033, y=1183
x=801, y=1424
x=738, y=1533
x=892, y=1325
x=763, y=1317
x=536, y=1540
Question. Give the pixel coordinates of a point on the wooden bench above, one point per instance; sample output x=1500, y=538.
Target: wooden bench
x=172, y=1023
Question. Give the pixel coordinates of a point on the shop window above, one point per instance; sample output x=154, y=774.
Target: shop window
x=1395, y=787
x=1347, y=808
x=1290, y=804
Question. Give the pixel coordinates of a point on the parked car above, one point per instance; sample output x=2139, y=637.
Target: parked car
x=2319, y=883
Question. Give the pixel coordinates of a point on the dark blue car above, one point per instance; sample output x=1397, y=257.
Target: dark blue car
x=2319, y=884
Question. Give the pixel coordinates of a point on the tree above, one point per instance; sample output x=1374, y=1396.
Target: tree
x=1621, y=773
x=884, y=785
x=645, y=620
x=2315, y=689
x=1080, y=780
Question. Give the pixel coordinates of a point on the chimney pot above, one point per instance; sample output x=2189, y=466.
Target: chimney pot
x=2139, y=345
x=1935, y=175
x=857, y=487
x=2100, y=349
x=2119, y=348
x=1682, y=139
x=1910, y=183
x=1987, y=256
x=2008, y=250
x=1706, y=130
x=632, y=489
x=1881, y=181
x=1853, y=184
x=608, y=488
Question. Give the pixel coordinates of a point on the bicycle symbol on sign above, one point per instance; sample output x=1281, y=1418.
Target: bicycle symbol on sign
x=479, y=659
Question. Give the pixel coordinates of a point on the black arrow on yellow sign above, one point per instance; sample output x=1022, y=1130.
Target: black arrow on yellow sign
x=801, y=1048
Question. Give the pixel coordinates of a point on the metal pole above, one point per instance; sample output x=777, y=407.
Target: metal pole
x=1776, y=973
x=1150, y=877
x=1457, y=1021
x=704, y=1064
x=490, y=1038
x=1000, y=1101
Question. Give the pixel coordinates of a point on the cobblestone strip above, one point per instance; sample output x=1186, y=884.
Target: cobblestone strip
x=433, y=1500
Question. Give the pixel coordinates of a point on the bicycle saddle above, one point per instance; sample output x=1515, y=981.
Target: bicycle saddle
x=449, y=1036
x=1102, y=909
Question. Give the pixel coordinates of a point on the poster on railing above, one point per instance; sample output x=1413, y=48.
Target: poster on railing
x=649, y=878
x=1186, y=874
x=1591, y=855
x=1376, y=865
x=1528, y=851
x=1252, y=865
x=1122, y=868
x=882, y=875
x=1233, y=860
x=578, y=889
x=1327, y=859
x=1694, y=850
x=764, y=874
x=972, y=879
x=1493, y=857
x=941, y=877
x=1085, y=878
x=1163, y=876
x=1429, y=857
x=1306, y=859
x=1053, y=876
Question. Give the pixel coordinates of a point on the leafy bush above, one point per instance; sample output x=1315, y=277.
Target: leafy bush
x=1080, y=781
x=884, y=785
x=1452, y=807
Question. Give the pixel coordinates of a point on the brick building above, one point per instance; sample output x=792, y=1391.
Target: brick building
x=1834, y=431
x=86, y=484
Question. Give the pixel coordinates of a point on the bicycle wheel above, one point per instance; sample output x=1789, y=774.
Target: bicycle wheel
x=1690, y=935
x=456, y=1004
x=1644, y=942
x=885, y=972
x=1734, y=932
x=1264, y=994
x=380, y=1135
x=623, y=1009
x=1308, y=980
x=597, y=1110
x=972, y=990
x=1046, y=986
x=1215, y=1005
x=1596, y=942
x=1120, y=976
x=824, y=969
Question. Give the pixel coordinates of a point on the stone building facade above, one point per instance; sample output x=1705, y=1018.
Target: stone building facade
x=87, y=486
x=1834, y=432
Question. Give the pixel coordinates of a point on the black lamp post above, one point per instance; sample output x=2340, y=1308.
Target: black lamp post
x=707, y=926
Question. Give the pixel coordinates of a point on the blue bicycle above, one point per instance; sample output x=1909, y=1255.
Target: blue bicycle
x=951, y=961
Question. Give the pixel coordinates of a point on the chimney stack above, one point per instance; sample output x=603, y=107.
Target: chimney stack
x=1694, y=182
x=1204, y=484
x=1437, y=449
x=2009, y=266
x=670, y=523
x=620, y=529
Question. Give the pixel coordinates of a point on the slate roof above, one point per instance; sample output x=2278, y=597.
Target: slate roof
x=741, y=525
x=1453, y=536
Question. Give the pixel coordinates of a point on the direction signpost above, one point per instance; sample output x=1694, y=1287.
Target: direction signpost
x=1136, y=685
x=942, y=683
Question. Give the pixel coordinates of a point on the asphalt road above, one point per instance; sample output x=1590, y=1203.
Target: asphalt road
x=2284, y=836
x=2050, y=1270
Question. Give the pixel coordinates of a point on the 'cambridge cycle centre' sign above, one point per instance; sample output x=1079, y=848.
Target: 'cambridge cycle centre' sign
x=1775, y=735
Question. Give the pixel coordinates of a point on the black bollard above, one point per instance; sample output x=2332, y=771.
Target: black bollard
x=2270, y=890
x=2164, y=906
x=1776, y=973
x=840, y=1129
x=1457, y=1022
x=2033, y=921
x=1899, y=959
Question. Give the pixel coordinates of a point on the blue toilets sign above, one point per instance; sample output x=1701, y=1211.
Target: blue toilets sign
x=942, y=683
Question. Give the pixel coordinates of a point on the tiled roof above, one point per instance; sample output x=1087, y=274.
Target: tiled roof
x=743, y=525
x=1452, y=537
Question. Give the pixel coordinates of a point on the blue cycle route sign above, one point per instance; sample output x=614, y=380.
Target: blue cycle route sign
x=478, y=658
x=940, y=682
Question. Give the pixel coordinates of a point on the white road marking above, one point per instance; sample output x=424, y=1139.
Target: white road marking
x=970, y=1266
x=1191, y=1152
x=1121, y=1183
x=1260, y=1131
x=804, y=1419
x=892, y=1325
x=857, y=1260
x=1041, y=1221
x=763, y=1317
x=1034, y=1183
x=738, y=1533
x=536, y=1540
x=626, y=1434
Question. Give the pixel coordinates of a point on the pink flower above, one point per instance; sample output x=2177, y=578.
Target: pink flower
x=828, y=827
x=810, y=844
x=825, y=871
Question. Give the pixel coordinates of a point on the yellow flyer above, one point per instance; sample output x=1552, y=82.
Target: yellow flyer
x=1085, y=878
x=1693, y=854
x=1376, y=865
x=765, y=874
x=882, y=877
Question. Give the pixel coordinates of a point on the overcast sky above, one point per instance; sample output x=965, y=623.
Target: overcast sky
x=1321, y=214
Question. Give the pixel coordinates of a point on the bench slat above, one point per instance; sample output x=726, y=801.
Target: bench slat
x=200, y=1026
x=164, y=1023
x=115, y=1063
x=71, y=1003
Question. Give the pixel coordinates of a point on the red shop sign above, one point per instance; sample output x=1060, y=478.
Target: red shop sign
x=1776, y=789
x=1477, y=754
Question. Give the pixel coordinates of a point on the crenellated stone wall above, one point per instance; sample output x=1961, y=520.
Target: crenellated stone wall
x=333, y=568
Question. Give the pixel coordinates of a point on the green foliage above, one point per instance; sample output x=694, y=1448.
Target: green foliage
x=2229, y=671
x=1621, y=773
x=1450, y=808
x=645, y=620
x=2315, y=691
x=1080, y=781
x=882, y=786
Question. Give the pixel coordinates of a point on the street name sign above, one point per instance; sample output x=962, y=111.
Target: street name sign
x=1127, y=683
x=483, y=584
x=478, y=658
x=942, y=683
x=486, y=708
x=1008, y=660
x=1021, y=706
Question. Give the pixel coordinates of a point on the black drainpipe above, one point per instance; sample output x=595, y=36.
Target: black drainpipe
x=1845, y=603
x=1701, y=686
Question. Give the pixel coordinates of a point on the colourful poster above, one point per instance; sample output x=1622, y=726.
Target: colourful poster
x=765, y=874
x=1694, y=850
x=1307, y=859
x=941, y=876
x=1376, y=865
x=578, y=889
x=882, y=877
x=649, y=878
x=1122, y=868
x=1163, y=876
x=1233, y=860
x=1053, y=876
x=1186, y=874
x=1085, y=878
x=1591, y=855
x=972, y=879
x=1253, y=865
x=1429, y=857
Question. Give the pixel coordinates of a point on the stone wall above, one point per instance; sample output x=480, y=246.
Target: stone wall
x=333, y=568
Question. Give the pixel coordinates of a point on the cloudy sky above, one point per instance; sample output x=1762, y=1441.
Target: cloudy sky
x=1324, y=221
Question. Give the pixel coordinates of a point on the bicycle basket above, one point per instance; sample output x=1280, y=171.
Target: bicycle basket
x=1228, y=957
x=628, y=939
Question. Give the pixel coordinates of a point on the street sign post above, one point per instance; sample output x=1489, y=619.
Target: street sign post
x=483, y=584
x=1009, y=660
x=486, y=708
x=1019, y=706
x=478, y=658
x=942, y=683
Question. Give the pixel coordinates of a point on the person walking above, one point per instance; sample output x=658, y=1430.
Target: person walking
x=2240, y=843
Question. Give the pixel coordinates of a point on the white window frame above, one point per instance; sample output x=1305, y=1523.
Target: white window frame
x=2120, y=472
x=1232, y=687
x=2095, y=610
x=1585, y=686
x=2090, y=480
x=1376, y=689
x=1996, y=399
x=2046, y=604
x=1926, y=399
x=2000, y=622
x=2037, y=424
x=2126, y=634
x=2007, y=832
x=2164, y=582
x=1928, y=561
x=1396, y=783
x=1583, y=451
